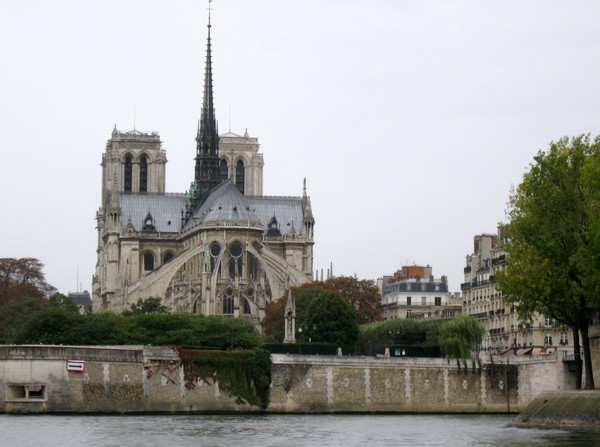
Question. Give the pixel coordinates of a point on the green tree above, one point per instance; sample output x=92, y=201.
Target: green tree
x=57, y=299
x=148, y=306
x=15, y=313
x=330, y=319
x=553, y=241
x=362, y=294
x=375, y=337
x=461, y=336
x=53, y=325
x=273, y=323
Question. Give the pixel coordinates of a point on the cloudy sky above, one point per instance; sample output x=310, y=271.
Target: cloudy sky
x=409, y=119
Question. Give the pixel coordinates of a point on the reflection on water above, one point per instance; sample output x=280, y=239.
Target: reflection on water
x=281, y=430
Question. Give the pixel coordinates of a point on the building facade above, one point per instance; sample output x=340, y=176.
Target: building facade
x=413, y=292
x=483, y=300
x=220, y=248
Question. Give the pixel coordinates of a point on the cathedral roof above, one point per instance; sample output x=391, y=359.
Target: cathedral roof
x=287, y=210
x=164, y=208
x=224, y=204
x=230, y=135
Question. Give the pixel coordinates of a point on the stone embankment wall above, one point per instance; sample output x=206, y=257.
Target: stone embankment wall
x=154, y=379
x=563, y=409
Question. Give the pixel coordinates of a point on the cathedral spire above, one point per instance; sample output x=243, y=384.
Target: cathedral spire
x=206, y=175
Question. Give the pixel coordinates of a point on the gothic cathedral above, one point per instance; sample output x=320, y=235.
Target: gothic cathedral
x=220, y=248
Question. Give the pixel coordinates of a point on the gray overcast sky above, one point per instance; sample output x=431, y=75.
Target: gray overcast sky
x=410, y=119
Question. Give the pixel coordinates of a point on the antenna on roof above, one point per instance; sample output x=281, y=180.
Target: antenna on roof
x=209, y=10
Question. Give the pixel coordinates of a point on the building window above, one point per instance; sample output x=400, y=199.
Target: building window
x=246, y=307
x=235, y=260
x=252, y=266
x=423, y=287
x=223, y=174
x=239, y=176
x=548, y=339
x=408, y=300
x=408, y=287
x=128, y=174
x=215, y=251
x=438, y=300
x=409, y=314
x=228, y=302
x=564, y=338
x=144, y=174
x=423, y=301
x=148, y=261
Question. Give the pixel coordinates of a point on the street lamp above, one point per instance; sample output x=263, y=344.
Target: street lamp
x=300, y=340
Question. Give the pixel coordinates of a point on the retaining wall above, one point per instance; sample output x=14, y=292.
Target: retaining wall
x=139, y=379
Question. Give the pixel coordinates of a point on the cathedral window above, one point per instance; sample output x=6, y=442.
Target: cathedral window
x=167, y=257
x=144, y=174
x=239, y=176
x=148, y=261
x=228, y=302
x=128, y=175
x=223, y=171
x=215, y=251
x=246, y=308
x=252, y=266
x=235, y=260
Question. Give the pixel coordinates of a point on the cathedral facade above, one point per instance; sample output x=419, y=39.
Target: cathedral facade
x=220, y=248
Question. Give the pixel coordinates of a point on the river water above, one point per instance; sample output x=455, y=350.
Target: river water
x=280, y=430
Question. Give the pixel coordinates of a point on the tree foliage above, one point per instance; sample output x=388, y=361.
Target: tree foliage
x=57, y=299
x=375, y=337
x=460, y=336
x=273, y=323
x=553, y=239
x=23, y=289
x=363, y=295
x=148, y=306
x=59, y=325
x=330, y=319
x=23, y=277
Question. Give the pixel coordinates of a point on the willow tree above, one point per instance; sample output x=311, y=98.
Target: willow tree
x=553, y=241
x=461, y=336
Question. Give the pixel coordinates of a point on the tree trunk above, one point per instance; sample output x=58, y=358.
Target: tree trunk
x=585, y=339
x=577, y=356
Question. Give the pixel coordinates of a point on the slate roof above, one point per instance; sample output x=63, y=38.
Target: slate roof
x=287, y=210
x=225, y=203
x=165, y=210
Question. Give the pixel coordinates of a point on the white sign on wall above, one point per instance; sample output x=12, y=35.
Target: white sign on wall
x=76, y=365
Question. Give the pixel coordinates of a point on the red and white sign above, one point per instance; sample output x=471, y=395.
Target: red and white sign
x=76, y=365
